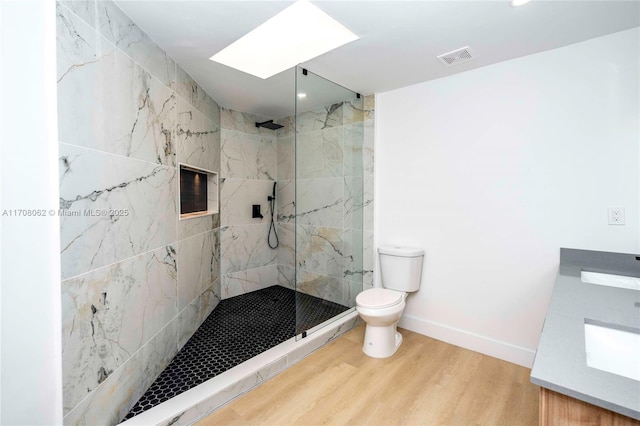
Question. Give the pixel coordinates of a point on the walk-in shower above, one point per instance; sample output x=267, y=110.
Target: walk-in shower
x=199, y=301
x=316, y=227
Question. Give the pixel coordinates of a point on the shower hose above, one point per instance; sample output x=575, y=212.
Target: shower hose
x=272, y=202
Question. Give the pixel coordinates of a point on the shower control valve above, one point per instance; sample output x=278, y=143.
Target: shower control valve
x=255, y=212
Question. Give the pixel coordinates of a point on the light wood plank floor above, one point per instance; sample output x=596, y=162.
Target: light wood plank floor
x=427, y=382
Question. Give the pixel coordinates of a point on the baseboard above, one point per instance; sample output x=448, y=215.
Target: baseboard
x=468, y=340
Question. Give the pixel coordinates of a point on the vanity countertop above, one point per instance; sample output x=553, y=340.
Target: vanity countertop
x=560, y=363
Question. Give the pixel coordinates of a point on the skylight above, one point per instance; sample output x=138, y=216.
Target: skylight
x=299, y=33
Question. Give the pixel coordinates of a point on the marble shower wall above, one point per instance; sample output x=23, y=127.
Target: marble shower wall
x=368, y=156
x=334, y=177
x=248, y=172
x=136, y=281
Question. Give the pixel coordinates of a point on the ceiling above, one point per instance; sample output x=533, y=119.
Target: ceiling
x=398, y=45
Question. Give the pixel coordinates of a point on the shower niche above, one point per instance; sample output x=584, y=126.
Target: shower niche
x=198, y=192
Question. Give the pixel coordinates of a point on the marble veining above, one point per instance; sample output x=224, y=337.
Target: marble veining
x=194, y=314
x=368, y=148
x=369, y=107
x=285, y=200
x=248, y=170
x=289, y=126
x=287, y=276
x=368, y=203
x=248, y=280
x=320, y=202
x=321, y=118
x=334, y=196
x=191, y=91
x=244, y=122
x=198, y=264
x=244, y=247
x=247, y=156
x=368, y=258
x=94, y=78
x=197, y=138
x=351, y=291
x=286, y=248
x=110, y=313
x=85, y=9
x=353, y=111
x=286, y=158
x=125, y=207
x=77, y=43
x=353, y=202
x=320, y=153
x=197, y=225
x=352, y=255
x=238, y=195
x=120, y=30
x=320, y=250
x=128, y=115
x=353, y=149
x=322, y=286
x=125, y=120
x=110, y=401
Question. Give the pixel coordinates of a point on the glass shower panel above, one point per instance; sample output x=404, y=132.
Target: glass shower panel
x=329, y=137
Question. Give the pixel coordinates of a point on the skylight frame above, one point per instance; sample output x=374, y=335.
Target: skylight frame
x=299, y=33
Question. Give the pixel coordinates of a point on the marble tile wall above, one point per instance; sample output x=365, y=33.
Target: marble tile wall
x=368, y=250
x=334, y=208
x=136, y=281
x=249, y=163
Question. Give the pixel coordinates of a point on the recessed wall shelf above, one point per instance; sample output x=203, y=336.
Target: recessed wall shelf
x=198, y=192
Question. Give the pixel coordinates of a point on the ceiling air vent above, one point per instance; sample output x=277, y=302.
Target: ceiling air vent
x=456, y=57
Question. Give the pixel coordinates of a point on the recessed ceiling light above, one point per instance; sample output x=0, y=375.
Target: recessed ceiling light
x=516, y=3
x=302, y=95
x=300, y=32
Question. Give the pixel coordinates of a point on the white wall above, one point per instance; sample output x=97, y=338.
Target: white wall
x=30, y=374
x=493, y=170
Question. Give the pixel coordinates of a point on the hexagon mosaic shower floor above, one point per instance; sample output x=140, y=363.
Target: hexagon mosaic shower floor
x=238, y=329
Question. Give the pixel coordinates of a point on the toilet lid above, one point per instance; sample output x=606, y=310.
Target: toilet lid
x=378, y=298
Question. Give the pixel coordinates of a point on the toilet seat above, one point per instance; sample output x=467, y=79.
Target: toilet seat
x=377, y=298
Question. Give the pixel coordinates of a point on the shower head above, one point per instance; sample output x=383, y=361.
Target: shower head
x=269, y=125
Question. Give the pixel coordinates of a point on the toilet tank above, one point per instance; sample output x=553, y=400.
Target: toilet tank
x=400, y=267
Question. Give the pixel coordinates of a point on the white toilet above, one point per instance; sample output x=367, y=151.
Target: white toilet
x=381, y=308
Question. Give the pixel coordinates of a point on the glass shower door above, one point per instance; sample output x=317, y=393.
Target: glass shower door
x=328, y=200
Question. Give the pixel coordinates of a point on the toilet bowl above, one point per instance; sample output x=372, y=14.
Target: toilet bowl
x=381, y=308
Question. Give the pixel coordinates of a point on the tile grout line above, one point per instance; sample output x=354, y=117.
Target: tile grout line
x=135, y=256
x=116, y=155
x=122, y=365
x=152, y=74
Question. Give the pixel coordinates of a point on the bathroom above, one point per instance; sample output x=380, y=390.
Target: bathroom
x=512, y=180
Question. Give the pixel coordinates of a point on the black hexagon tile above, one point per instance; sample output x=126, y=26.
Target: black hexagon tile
x=238, y=329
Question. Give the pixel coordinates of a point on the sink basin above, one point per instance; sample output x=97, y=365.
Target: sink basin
x=613, y=348
x=610, y=280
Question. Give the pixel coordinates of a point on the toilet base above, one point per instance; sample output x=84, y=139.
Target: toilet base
x=381, y=342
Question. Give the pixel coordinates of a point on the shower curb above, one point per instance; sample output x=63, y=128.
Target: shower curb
x=198, y=402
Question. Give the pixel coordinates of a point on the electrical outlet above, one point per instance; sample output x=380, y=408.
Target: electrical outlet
x=616, y=215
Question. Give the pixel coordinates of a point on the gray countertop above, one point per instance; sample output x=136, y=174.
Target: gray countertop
x=560, y=363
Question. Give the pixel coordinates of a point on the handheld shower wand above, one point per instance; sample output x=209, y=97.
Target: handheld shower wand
x=273, y=194
x=272, y=203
